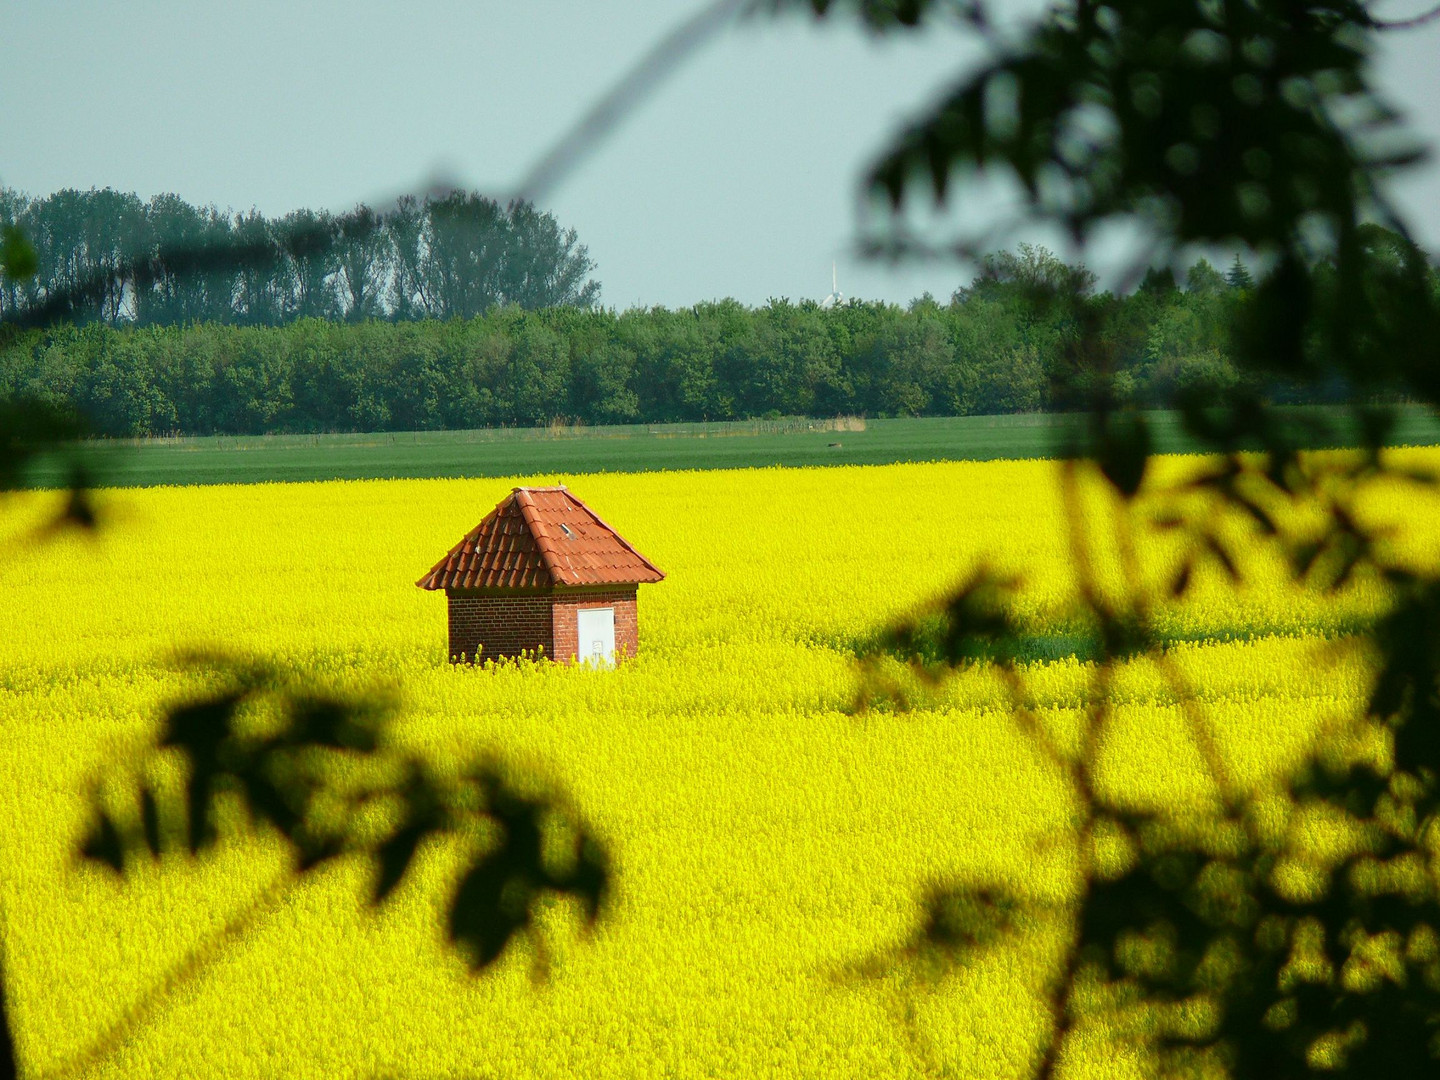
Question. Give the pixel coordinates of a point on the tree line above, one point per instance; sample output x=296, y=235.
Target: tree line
x=105, y=256
x=988, y=349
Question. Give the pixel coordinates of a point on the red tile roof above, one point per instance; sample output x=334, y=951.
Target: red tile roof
x=539, y=537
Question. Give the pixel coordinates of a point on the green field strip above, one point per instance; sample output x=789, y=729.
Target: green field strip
x=632, y=448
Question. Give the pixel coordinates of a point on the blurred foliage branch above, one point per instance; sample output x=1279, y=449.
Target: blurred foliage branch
x=1254, y=123
x=262, y=753
x=319, y=772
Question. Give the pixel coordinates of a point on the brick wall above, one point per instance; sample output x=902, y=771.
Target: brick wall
x=627, y=630
x=491, y=627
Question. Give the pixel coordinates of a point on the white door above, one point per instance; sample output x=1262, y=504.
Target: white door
x=596, y=635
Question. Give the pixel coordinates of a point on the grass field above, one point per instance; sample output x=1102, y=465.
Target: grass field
x=769, y=841
x=639, y=448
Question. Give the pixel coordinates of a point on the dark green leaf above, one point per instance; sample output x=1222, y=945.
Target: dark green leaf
x=103, y=844
x=491, y=906
x=590, y=880
x=964, y=919
x=395, y=856
x=17, y=256
x=150, y=821
x=330, y=722
x=1124, y=451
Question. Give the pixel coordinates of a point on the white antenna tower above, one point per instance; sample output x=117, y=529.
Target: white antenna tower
x=836, y=296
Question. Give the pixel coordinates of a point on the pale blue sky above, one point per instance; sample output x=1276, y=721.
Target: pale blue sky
x=738, y=177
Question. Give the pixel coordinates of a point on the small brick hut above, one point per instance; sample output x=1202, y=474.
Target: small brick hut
x=542, y=575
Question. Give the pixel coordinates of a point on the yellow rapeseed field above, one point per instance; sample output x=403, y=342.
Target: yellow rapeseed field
x=770, y=843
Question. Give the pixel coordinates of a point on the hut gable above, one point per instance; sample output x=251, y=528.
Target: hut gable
x=540, y=538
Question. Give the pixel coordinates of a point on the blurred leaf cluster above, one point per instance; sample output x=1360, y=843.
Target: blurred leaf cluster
x=1254, y=123
x=318, y=771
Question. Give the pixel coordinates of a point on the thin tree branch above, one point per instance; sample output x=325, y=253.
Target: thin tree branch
x=664, y=57
x=1201, y=731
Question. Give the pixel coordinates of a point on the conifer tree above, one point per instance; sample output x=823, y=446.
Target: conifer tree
x=1238, y=276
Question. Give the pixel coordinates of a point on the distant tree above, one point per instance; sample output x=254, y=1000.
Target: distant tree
x=918, y=365
x=417, y=380
x=544, y=265
x=1029, y=271
x=260, y=292
x=807, y=368
x=363, y=251
x=308, y=264
x=1202, y=279
x=447, y=255
x=532, y=389
x=743, y=376
x=104, y=255
x=463, y=254
x=1238, y=276
x=18, y=259
x=601, y=389
x=81, y=239
x=170, y=287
